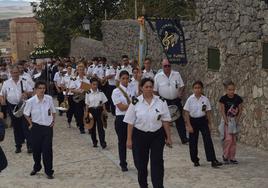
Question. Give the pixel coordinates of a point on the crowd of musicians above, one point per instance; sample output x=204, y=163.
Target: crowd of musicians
x=138, y=97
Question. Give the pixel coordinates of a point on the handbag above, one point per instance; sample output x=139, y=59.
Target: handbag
x=232, y=126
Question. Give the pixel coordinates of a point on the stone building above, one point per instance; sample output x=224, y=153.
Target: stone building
x=25, y=34
x=226, y=40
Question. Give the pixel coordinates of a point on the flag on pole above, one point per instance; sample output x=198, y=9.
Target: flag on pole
x=142, y=48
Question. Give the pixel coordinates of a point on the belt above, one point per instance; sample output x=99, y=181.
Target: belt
x=198, y=118
x=95, y=108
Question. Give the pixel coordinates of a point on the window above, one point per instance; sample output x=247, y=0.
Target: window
x=213, y=59
x=265, y=55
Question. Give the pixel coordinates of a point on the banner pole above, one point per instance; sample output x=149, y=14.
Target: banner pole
x=141, y=41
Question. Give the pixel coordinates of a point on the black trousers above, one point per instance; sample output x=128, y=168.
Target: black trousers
x=180, y=125
x=201, y=124
x=4, y=110
x=60, y=98
x=79, y=114
x=145, y=145
x=105, y=90
x=109, y=97
x=121, y=131
x=70, y=112
x=3, y=160
x=96, y=113
x=20, y=128
x=42, y=146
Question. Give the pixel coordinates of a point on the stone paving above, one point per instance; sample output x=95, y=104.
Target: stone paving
x=78, y=165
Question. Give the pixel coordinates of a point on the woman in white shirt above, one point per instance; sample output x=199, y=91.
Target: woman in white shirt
x=197, y=110
x=95, y=104
x=148, y=121
x=121, y=99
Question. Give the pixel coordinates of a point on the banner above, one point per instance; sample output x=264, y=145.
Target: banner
x=142, y=46
x=171, y=36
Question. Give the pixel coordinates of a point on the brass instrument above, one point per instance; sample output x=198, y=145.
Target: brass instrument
x=65, y=105
x=88, y=120
x=174, y=112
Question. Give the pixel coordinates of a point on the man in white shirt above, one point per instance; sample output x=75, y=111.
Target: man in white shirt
x=42, y=111
x=14, y=91
x=125, y=66
x=170, y=86
x=148, y=71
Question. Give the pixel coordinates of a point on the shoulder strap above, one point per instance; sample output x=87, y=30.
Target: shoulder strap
x=125, y=94
x=21, y=86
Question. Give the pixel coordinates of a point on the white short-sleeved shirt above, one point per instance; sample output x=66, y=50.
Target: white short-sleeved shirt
x=118, y=97
x=168, y=87
x=66, y=81
x=147, y=117
x=95, y=99
x=119, y=69
x=197, y=107
x=99, y=71
x=28, y=78
x=90, y=70
x=149, y=74
x=134, y=87
x=111, y=71
x=12, y=90
x=58, y=78
x=40, y=110
x=77, y=82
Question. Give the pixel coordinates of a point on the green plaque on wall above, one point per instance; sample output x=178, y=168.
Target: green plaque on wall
x=213, y=59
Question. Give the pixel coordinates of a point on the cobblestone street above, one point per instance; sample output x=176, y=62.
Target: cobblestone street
x=78, y=165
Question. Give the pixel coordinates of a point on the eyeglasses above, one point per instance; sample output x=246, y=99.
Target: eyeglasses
x=167, y=66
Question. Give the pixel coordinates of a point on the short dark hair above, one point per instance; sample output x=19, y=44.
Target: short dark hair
x=198, y=82
x=40, y=82
x=94, y=80
x=148, y=59
x=104, y=59
x=123, y=72
x=228, y=83
x=61, y=64
x=135, y=68
x=144, y=80
x=124, y=56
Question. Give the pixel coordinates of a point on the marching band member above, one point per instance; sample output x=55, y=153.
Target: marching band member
x=91, y=68
x=134, y=84
x=110, y=76
x=4, y=75
x=24, y=74
x=125, y=66
x=148, y=120
x=58, y=83
x=13, y=91
x=170, y=86
x=66, y=82
x=40, y=113
x=121, y=99
x=79, y=105
x=147, y=71
x=198, y=118
x=95, y=104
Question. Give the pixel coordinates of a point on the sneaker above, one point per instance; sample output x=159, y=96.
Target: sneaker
x=233, y=161
x=225, y=160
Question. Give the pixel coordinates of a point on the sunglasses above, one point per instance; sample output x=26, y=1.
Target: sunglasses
x=167, y=66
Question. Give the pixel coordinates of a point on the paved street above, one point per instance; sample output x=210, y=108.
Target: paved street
x=78, y=165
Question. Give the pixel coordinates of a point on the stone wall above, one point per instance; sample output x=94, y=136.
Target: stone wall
x=237, y=28
x=86, y=47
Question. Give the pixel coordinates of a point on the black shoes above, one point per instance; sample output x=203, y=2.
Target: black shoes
x=185, y=141
x=50, y=177
x=104, y=145
x=225, y=160
x=18, y=150
x=196, y=164
x=124, y=169
x=233, y=162
x=82, y=132
x=33, y=173
x=95, y=145
x=216, y=164
x=29, y=150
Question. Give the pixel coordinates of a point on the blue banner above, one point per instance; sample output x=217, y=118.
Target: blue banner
x=171, y=36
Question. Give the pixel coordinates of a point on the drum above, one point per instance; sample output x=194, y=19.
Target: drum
x=174, y=112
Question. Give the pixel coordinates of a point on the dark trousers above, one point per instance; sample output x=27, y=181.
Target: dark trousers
x=180, y=125
x=105, y=90
x=3, y=160
x=42, y=145
x=121, y=131
x=20, y=128
x=70, y=112
x=145, y=145
x=79, y=114
x=201, y=124
x=4, y=110
x=96, y=113
x=109, y=97
x=60, y=98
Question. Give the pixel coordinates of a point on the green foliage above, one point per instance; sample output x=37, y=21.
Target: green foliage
x=62, y=18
